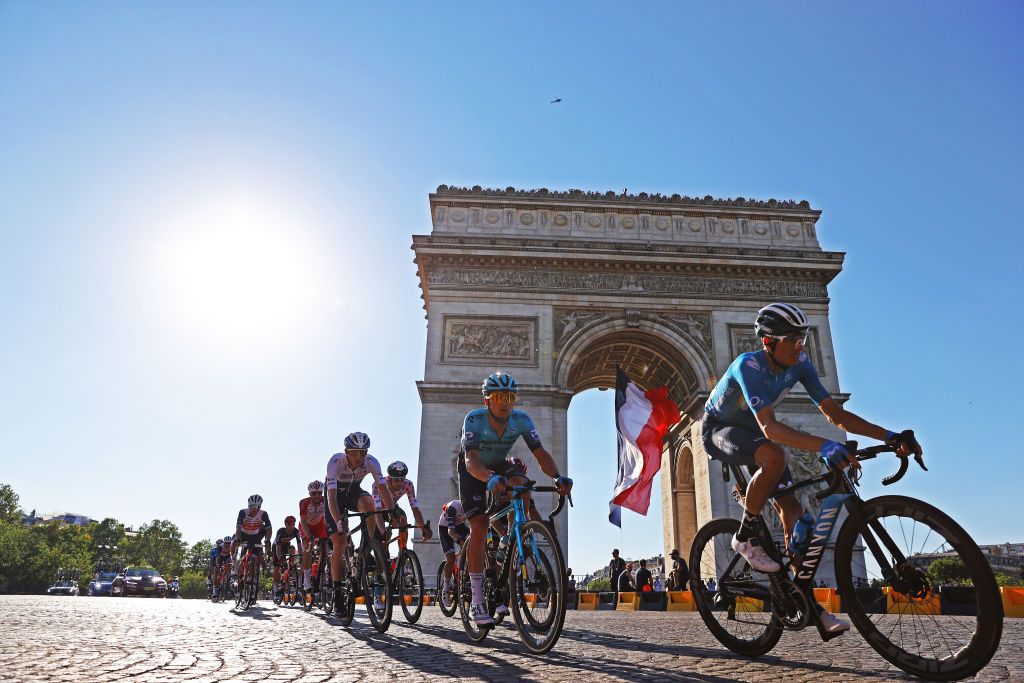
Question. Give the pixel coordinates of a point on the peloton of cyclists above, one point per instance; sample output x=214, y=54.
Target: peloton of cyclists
x=740, y=427
x=488, y=435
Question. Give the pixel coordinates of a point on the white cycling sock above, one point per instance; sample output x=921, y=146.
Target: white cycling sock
x=476, y=584
x=307, y=574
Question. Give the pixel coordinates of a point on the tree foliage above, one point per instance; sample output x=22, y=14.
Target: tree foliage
x=949, y=571
x=10, y=511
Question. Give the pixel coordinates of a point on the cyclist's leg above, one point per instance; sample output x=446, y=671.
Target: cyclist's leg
x=234, y=554
x=473, y=494
x=789, y=509
x=403, y=534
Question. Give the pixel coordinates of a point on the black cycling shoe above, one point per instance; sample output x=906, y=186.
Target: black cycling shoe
x=339, y=600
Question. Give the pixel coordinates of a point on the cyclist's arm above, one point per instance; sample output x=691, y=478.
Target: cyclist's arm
x=381, y=483
x=784, y=434
x=546, y=462
x=331, y=492
x=850, y=422
x=475, y=467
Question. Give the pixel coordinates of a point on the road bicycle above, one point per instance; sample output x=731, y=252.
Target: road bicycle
x=321, y=593
x=530, y=580
x=249, y=569
x=446, y=599
x=367, y=573
x=285, y=589
x=222, y=582
x=902, y=536
x=407, y=576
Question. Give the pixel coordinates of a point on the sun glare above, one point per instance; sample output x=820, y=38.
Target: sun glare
x=241, y=274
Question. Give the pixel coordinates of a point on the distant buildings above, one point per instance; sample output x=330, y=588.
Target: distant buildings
x=66, y=517
x=1005, y=558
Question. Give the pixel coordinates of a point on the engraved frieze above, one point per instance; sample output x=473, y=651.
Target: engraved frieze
x=649, y=284
x=472, y=339
x=568, y=321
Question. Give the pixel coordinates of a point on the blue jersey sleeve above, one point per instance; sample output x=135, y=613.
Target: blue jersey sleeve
x=751, y=378
x=470, y=434
x=530, y=435
x=810, y=381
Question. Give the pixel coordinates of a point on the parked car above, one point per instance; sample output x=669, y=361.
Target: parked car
x=64, y=587
x=100, y=585
x=138, y=581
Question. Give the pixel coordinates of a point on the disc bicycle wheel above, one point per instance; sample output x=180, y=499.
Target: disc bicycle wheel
x=536, y=585
x=446, y=598
x=736, y=620
x=410, y=585
x=903, y=623
x=377, y=591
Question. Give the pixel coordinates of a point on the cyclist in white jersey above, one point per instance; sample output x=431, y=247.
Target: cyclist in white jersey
x=400, y=485
x=345, y=471
x=452, y=530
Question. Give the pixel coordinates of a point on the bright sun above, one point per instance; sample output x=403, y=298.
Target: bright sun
x=241, y=273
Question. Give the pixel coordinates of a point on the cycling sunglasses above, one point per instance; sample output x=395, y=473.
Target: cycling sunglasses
x=502, y=397
x=795, y=339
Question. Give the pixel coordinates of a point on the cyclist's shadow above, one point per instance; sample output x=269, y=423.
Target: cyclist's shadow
x=254, y=612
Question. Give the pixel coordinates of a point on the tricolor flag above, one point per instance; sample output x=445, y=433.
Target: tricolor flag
x=642, y=419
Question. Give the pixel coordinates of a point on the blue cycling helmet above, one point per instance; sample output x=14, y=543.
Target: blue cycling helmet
x=499, y=381
x=357, y=441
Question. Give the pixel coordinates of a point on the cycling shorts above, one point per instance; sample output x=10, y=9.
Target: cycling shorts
x=447, y=542
x=246, y=541
x=318, y=531
x=347, y=499
x=473, y=492
x=736, y=445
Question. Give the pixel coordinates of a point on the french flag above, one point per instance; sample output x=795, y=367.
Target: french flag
x=642, y=419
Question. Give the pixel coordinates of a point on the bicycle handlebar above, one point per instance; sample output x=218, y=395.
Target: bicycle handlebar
x=862, y=454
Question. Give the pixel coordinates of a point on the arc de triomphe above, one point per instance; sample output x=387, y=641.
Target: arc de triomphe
x=560, y=287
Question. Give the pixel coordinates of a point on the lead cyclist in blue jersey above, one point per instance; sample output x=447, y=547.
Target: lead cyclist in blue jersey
x=740, y=427
x=488, y=434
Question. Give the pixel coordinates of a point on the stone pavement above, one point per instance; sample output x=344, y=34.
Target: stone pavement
x=50, y=638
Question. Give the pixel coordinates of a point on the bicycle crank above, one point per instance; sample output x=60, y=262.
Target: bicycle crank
x=789, y=603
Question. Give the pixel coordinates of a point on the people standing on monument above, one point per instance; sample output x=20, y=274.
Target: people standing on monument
x=488, y=435
x=740, y=428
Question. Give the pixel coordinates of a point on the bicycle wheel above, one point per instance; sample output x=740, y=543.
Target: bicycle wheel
x=446, y=598
x=736, y=620
x=464, y=597
x=904, y=624
x=376, y=585
x=327, y=590
x=277, y=592
x=254, y=583
x=537, y=587
x=241, y=599
x=410, y=585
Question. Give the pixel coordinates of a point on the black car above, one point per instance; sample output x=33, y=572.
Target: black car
x=100, y=585
x=138, y=581
x=64, y=587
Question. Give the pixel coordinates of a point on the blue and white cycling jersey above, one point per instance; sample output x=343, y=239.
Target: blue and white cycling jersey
x=479, y=435
x=214, y=553
x=749, y=385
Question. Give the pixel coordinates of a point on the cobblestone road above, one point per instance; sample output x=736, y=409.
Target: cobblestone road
x=112, y=639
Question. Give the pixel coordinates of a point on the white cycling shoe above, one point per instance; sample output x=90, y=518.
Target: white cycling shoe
x=832, y=623
x=481, y=616
x=755, y=556
x=502, y=610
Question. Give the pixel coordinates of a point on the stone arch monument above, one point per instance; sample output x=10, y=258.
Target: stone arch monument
x=560, y=287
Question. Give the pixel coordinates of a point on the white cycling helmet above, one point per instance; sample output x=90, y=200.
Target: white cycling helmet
x=255, y=500
x=780, y=320
x=357, y=441
x=315, y=486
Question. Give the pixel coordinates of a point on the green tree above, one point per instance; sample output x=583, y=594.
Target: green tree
x=108, y=536
x=601, y=585
x=10, y=511
x=158, y=545
x=197, y=559
x=949, y=571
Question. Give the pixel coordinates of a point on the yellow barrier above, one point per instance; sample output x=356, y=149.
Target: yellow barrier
x=680, y=601
x=360, y=600
x=588, y=601
x=899, y=603
x=827, y=598
x=628, y=602
x=745, y=604
x=1013, y=601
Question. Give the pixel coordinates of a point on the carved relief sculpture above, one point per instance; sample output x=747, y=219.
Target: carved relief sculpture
x=511, y=341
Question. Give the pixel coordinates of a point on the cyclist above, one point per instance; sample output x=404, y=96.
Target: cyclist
x=283, y=547
x=312, y=525
x=253, y=525
x=451, y=530
x=399, y=484
x=345, y=471
x=488, y=435
x=740, y=427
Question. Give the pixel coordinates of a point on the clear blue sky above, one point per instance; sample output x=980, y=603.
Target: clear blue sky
x=206, y=210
